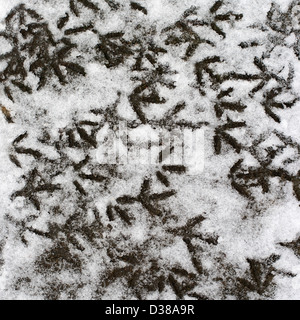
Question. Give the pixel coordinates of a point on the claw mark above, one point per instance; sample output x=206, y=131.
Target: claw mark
x=7, y=114
x=137, y=6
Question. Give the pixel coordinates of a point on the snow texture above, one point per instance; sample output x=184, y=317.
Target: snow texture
x=71, y=228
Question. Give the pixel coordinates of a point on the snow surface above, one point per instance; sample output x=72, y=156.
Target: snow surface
x=245, y=229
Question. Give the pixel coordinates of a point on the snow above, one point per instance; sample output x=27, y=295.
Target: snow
x=245, y=228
